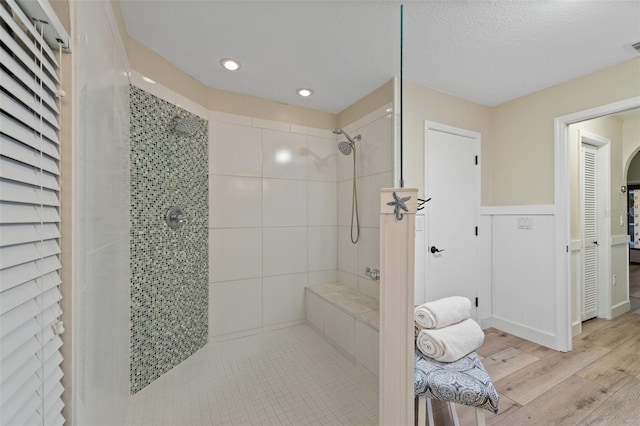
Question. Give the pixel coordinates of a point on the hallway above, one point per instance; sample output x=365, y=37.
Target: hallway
x=634, y=285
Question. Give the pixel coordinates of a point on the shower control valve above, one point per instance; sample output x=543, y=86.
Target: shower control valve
x=374, y=274
x=175, y=217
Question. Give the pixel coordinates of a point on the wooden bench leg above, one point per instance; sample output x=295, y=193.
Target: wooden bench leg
x=425, y=413
x=454, y=414
x=424, y=405
x=429, y=411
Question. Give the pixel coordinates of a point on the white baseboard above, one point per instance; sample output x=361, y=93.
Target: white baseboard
x=528, y=333
x=620, y=308
x=485, y=323
x=576, y=328
x=528, y=210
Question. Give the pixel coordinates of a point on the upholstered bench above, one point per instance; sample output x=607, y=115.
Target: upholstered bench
x=461, y=382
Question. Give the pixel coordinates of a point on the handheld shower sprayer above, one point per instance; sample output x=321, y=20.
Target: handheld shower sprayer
x=347, y=148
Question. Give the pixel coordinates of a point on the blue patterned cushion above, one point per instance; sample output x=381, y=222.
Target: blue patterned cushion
x=464, y=381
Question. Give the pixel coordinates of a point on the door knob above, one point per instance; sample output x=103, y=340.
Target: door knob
x=435, y=250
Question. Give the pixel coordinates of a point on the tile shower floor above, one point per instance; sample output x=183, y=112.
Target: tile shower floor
x=290, y=376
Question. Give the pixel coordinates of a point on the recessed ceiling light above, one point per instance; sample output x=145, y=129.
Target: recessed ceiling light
x=304, y=92
x=230, y=64
x=148, y=80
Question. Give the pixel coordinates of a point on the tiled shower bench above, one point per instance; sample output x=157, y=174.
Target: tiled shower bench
x=349, y=320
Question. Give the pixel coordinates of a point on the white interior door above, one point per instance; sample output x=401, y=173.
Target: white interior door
x=453, y=184
x=589, y=209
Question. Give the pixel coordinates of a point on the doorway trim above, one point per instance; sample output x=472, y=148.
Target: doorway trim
x=562, y=207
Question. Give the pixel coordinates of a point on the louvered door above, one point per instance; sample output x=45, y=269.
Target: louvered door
x=30, y=372
x=589, y=209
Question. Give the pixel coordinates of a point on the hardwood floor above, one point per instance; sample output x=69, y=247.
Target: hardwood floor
x=634, y=280
x=598, y=383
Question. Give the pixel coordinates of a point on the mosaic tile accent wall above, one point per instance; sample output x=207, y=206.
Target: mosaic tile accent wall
x=169, y=267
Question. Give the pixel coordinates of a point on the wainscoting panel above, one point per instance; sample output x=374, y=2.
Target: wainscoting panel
x=523, y=263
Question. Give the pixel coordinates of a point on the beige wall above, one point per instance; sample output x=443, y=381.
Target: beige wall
x=633, y=175
x=517, y=137
x=631, y=145
x=374, y=100
x=150, y=64
x=422, y=103
x=609, y=128
x=523, y=140
x=61, y=8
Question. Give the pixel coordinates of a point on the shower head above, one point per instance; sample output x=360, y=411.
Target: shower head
x=345, y=147
x=339, y=131
x=185, y=125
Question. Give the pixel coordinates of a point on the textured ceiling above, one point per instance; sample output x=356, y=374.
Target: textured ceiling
x=486, y=52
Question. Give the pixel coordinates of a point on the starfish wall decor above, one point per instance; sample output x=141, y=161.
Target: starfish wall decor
x=399, y=203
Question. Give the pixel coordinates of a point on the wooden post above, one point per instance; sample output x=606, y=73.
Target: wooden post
x=397, y=237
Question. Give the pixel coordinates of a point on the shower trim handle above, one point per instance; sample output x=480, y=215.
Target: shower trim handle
x=175, y=217
x=374, y=274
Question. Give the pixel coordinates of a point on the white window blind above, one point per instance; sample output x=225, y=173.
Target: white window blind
x=30, y=373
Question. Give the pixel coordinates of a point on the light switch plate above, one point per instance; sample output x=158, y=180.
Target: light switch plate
x=525, y=222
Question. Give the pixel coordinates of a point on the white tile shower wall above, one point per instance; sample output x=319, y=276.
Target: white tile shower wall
x=235, y=305
x=322, y=204
x=284, y=202
x=273, y=221
x=284, y=250
x=235, y=150
x=246, y=210
x=283, y=298
x=235, y=253
x=322, y=243
x=101, y=292
x=374, y=170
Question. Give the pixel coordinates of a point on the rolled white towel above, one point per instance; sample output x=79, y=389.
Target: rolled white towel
x=443, y=312
x=451, y=343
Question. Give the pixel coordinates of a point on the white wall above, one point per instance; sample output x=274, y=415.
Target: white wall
x=101, y=284
x=374, y=170
x=273, y=221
